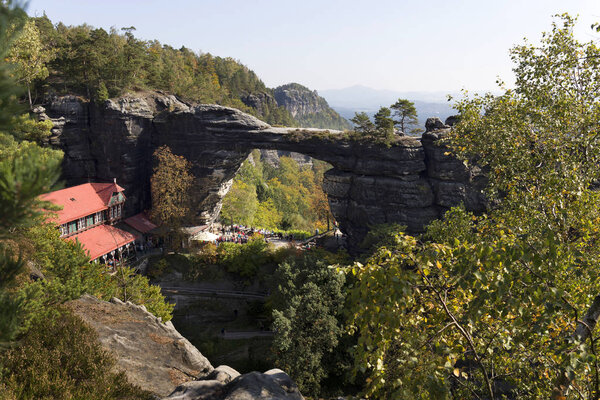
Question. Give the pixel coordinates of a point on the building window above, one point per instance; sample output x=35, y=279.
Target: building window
x=89, y=220
x=72, y=227
x=119, y=210
x=64, y=230
x=80, y=224
x=99, y=217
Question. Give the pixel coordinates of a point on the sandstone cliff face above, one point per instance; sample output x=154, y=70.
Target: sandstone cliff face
x=272, y=157
x=260, y=101
x=299, y=100
x=410, y=183
x=308, y=108
x=155, y=357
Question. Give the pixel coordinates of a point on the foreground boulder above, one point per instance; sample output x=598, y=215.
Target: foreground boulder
x=225, y=383
x=153, y=355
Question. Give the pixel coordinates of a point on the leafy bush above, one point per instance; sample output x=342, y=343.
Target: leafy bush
x=157, y=270
x=307, y=319
x=60, y=358
x=381, y=235
x=244, y=259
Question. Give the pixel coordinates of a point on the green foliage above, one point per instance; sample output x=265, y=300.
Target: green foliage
x=69, y=275
x=456, y=224
x=102, y=93
x=26, y=171
x=29, y=55
x=363, y=124
x=285, y=197
x=406, y=116
x=380, y=235
x=27, y=128
x=487, y=306
x=12, y=19
x=244, y=259
x=98, y=64
x=384, y=124
x=381, y=132
x=308, y=301
x=240, y=204
x=170, y=188
x=61, y=358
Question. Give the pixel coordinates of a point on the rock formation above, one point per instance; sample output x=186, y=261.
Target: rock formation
x=272, y=157
x=155, y=357
x=227, y=384
x=410, y=183
x=308, y=108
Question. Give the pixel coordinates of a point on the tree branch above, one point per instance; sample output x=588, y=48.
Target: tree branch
x=583, y=331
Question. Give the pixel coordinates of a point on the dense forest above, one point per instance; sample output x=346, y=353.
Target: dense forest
x=285, y=197
x=91, y=62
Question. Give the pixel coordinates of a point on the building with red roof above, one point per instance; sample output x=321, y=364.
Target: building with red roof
x=104, y=240
x=88, y=214
x=140, y=223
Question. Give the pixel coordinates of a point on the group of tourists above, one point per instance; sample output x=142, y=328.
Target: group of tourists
x=239, y=234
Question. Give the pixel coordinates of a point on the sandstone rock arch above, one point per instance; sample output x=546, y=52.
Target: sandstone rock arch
x=411, y=183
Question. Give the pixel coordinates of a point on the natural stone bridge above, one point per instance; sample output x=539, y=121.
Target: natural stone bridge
x=411, y=182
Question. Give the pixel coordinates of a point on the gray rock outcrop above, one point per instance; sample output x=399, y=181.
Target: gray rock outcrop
x=411, y=183
x=308, y=108
x=155, y=357
x=225, y=383
x=153, y=354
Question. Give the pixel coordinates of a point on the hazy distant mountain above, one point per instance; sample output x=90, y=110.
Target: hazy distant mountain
x=358, y=98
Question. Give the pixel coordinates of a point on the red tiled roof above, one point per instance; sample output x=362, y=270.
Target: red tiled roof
x=105, y=190
x=103, y=239
x=140, y=223
x=81, y=200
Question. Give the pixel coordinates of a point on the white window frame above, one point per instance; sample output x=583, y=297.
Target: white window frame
x=81, y=223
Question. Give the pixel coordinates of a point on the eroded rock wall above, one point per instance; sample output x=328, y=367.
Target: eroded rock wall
x=410, y=183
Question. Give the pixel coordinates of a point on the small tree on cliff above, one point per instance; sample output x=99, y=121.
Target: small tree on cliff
x=384, y=123
x=406, y=115
x=362, y=124
x=170, y=186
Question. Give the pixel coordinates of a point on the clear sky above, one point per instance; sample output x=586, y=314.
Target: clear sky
x=404, y=45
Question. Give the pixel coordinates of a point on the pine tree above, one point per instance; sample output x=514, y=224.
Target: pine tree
x=362, y=123
x=406, y=115
x=384, y=123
